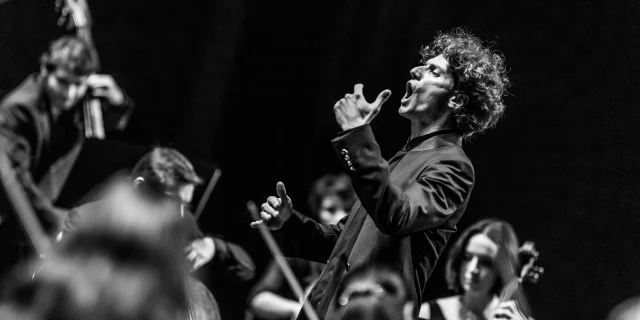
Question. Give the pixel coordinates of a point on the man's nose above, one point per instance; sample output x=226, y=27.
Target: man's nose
x=416, y=73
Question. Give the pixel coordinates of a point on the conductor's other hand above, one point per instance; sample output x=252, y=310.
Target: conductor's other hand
x=354, y=111
x=276, y=211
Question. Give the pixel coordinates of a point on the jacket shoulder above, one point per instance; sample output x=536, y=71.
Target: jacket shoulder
x=26, y=95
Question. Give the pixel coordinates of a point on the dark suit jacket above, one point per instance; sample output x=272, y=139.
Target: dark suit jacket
x=407, y=210
x=41, y=149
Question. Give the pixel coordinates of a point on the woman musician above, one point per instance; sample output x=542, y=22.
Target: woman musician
x=474, y=270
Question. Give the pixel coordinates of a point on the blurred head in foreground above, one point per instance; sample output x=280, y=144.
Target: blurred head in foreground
x=373, y=292
x=123, y=265
x=627, y=310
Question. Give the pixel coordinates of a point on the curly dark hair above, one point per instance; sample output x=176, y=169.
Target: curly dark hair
x=478, y=72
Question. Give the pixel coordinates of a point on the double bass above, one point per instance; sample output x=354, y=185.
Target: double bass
x=75, y=15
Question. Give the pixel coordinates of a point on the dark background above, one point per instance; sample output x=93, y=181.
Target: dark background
x=250, y=85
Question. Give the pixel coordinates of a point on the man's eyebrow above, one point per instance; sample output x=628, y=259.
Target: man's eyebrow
x=431, y=64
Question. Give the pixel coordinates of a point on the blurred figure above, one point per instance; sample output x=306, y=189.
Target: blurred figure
x=627, y=310
x=41, y=132
x=475, y=269
x=330, y=199
x=165, y=174
x=373, y=292
x=121, y=266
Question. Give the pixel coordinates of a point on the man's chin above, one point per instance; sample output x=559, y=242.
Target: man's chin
x=405, y=111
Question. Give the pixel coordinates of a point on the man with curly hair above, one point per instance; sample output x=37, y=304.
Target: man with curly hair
x=408, y=206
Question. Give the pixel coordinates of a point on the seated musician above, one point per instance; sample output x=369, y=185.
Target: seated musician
x=472, y=270
x=41, y=131
x=167, y=174
x=330, y=200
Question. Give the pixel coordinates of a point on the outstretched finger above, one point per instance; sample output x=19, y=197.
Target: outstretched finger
x=357, y=90
x=382, y=97
x=282, y=192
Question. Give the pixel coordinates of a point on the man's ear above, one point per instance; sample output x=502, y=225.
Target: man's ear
x=458, y=100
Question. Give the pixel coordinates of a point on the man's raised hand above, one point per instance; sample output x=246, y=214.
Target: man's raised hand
x=354, y=111
x=276, y=211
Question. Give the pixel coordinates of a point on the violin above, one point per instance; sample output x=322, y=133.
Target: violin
x=529, y=272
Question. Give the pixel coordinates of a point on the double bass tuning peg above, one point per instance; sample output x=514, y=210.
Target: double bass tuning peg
x=538, y=270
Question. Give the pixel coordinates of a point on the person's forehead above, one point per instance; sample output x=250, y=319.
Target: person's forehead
x=331, y=200
x=439, y=61
x=482, y=245
x=63, y=72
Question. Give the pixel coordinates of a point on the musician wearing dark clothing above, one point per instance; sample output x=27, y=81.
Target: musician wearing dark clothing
x=408, y=206
x=475, y=268
x=227, y=261
x=166, y=174
x=41, y=129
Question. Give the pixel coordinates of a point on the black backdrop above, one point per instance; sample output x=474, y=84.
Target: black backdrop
x=250, y=85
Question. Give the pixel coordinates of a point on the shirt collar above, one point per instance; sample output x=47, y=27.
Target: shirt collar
x=424, y=142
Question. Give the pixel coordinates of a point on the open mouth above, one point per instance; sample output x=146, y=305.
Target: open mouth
x=408, y=94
